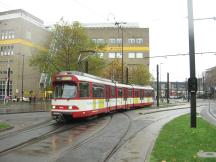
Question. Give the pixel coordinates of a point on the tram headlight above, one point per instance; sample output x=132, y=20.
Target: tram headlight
x=53, y=107
x=70, y=107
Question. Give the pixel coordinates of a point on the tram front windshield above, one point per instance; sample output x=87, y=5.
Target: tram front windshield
x=65, y=90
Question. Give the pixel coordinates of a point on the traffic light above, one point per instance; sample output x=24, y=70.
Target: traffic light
x=192, y=84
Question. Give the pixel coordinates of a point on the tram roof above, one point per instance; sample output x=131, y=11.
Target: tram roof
x=92, y=78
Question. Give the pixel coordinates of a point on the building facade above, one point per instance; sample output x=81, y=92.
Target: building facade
x=209, y=82
x=135, y=45
x=21, y=34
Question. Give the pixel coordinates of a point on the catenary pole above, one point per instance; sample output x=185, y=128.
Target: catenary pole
x=192, y=82
x=157, y=86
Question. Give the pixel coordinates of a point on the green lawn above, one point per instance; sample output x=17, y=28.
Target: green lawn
x=178, y=142
x=4, y=126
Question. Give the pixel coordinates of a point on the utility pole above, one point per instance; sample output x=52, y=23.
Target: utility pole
x=22, y=75
x=157, y=86
x=120, y=26
x=126, y=75
x=7, y=84
x=167, y=87
x=192, y=81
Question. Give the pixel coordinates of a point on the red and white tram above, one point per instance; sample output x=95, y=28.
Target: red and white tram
x=79, y=95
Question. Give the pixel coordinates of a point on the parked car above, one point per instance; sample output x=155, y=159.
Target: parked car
x=25, y=99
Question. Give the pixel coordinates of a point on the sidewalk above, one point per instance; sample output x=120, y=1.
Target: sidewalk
x=138, y=149
x=24, y=107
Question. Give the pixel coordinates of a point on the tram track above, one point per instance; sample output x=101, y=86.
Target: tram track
x=96, y=141
x=121, y=140
x=119, y=145
x=34, y=126
x=57, y=129
x=87, y=139
x=11, y=142
x=124, y=140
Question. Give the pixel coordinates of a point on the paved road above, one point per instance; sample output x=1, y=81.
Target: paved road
x=128, y=137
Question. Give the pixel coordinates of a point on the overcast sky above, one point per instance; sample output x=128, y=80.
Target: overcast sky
x=166, y=19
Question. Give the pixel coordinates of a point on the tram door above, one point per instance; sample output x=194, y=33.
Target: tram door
x=107, y=96
x=125, y=96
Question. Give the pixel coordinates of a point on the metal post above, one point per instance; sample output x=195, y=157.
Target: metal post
x=176, y=89
x=160, y=82
x=203, y=85
x=122, y=50
x=8, y=82
x=167, y=87
x=22, y=75
x=122, y=46
x=192, y=62
x=126, y=75
x=86, y=67
x=157, y=86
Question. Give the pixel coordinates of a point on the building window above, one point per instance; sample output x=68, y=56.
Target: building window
x=28, y=35
x=118, y=55
x=111, y=55
x=139, y=55
x=94, y=40
x=131, y=55
x=7, y=50
x=7, y=34
x=12, y=50
x=118, y=40
x=2, y=89
x=101, y=55
x=2, y=49
x=131, y=41
x=11, y=35
x=112, y=41
x=139, y=41
x=2, y=35
x=100, y=41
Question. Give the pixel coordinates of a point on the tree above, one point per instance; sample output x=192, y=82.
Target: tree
x=140, y=75
x=64, y=46
x=113, y=70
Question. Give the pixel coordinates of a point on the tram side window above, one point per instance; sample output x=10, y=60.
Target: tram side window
x=98, y=91
x=112, y=91
x=136, y=93
x=119, y=92
x=125, y=93
x=152, y=93
x=141, y=94
x=130, y=93
x=146, y=93
x=84, y=89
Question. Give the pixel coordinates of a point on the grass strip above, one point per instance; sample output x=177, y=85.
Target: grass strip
x=4, y=126
x=178, y=142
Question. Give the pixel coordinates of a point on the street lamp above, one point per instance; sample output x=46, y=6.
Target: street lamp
x=120, y=26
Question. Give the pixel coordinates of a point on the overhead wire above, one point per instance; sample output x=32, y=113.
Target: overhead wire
x=181, y=54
